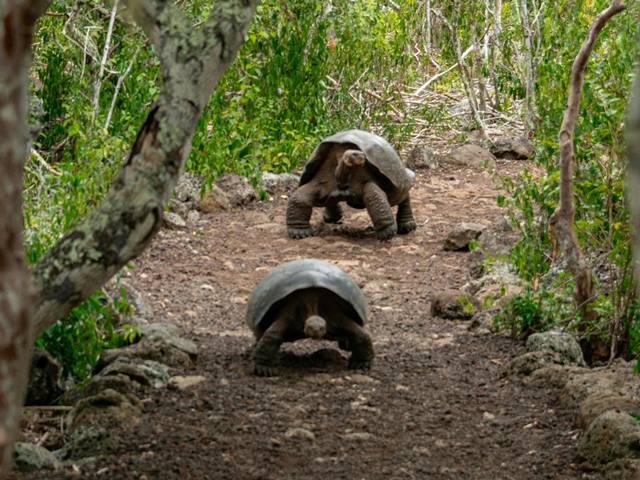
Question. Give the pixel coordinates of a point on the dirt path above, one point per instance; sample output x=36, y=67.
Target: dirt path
x=433, y=407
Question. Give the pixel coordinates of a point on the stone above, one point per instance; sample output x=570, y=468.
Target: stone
x=173, y=221
x=554, y=376
x=622, y=469
x=512, y=148
x=462, y=235
x=180, y=208
x=119, y=382
x=188, y=188
x=531, y=361
x=598, y=403
x=107, y=408
x=273, y=183
x=472, y=155
x=142, y=312
x=193, y=217
x=357, y=436
x=611, y=436
x=180, y=382
x=145, y=372
x=557, y=341
x=214, y=201
x=28, y=456
x=421, y=157
x=301, y=433
x=453, y=305
x=237, y=188
x=612, y=381
x=170, y=334
x=45, y=379
x=157, y=349
x=89, y=441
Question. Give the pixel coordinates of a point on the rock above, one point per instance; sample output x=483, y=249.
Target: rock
x=360, y=378
x=611, y=436
x=598, y=403
x=237, y=188
x=273, y=183
x=357, y=436
x=622, y=469
x=422, y=157
x=145, y=372
x=119, y=382
x=494, y=243
x=158, y=350
x=515, y=148
x=142, y=312
x=180, y=382
x=460, y=237
x=108, y=408
x=302, y=433
x=89, y=441
x=214, y=201
x=180, y=208
x=497, y=294
x=188, y=188
x=453, y=304
x=169, y=334
x=471, y=155
x=28, y=456
x=612, y=381
x=556, y=341
x=531, y=361
x=193, y=217
x=555, y=376
x=45, y=379
x=173, y=221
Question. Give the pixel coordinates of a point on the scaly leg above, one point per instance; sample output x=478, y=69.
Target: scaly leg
x=299, y=211
x=406, y=222
x=379, y=210
x=265, y=353
x=359, y=343
x=333, y=213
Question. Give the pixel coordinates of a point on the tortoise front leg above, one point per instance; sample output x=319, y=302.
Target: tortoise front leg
x=299, y=211
x=359, y=343
x=405, y=220
x=333, y=213
x=265, y=353
x=379, y=210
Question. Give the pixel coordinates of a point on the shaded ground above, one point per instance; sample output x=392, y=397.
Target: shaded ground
x=434, y=406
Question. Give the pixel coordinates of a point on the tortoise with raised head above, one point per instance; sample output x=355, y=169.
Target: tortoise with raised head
x=307, y=298
x=362, y=169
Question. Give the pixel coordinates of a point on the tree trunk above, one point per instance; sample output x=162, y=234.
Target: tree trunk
x=633, y=172
x=562, y=219
x=192, y=60
x=16, y=293
x=123, y=225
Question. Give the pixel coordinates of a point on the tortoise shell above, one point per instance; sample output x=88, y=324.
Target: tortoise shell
x=297, y=275
x=380, y=154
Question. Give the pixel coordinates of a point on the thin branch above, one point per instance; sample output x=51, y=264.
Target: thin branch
x=103, y=62
x=119, y=83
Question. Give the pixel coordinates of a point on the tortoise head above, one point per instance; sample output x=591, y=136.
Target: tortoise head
x=350, y=159
x=315, y=327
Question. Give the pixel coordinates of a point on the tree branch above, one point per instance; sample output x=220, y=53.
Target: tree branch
x=633, y=172
x=562, y=219
x=130, y=215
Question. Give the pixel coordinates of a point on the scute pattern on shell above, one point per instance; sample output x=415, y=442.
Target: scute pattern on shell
x=299, y=274
x=379, y=153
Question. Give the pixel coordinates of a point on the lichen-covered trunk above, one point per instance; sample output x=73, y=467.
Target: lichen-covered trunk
x=192, y=60
x=16, y=336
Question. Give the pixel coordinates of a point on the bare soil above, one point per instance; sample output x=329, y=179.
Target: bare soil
x=434, y=406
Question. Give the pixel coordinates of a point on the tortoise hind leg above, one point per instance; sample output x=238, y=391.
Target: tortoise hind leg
x=406, y=222
x=265, y=353
x=299, y=211
x=379, y=210
x=333, y=213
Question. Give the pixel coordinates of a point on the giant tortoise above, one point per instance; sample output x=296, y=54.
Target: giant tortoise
x=307, y=298
x=362, y=169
